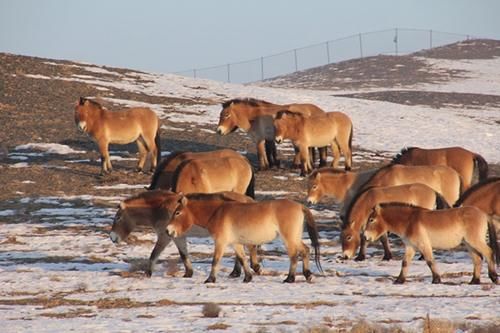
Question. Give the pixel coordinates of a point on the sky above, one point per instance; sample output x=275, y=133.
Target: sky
x=171, y=36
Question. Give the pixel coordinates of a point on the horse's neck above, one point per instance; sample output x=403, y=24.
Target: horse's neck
x=397, y=219
x=356, y=180
x=203, y=210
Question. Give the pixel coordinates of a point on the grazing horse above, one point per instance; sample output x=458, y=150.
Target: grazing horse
x=457, y=158
x=343, y=185
x=361, y=206
x=162, y=178
x=424, y=230
x=251, y=224
x=329, y=129
x=120, y=127
x=211, y=175
x=148, y=209
x=256, y=118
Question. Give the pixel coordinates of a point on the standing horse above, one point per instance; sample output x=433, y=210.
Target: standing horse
x=458, y=158
x=256, y=118
x=343, y=185
x=330, y=129
x=252, y=224
x=424, y=230
x=484, y=195
x=120, y=127
x=211, y=175
x=361, y=206
x=148, y=209
x=162, y=178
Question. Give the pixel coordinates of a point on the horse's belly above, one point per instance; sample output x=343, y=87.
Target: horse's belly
x=446, y=239
x=319, y=140
x=256, y=236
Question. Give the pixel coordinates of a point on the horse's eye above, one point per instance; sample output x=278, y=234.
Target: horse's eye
x=348, y=238
x=177, y=213
x=315, y=187
x=371, y=220
x=227, y=116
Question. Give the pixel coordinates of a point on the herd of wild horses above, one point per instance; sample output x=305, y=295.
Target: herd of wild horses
x=424, y=196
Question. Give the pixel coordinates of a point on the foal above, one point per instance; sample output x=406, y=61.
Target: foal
x=252, y=223
x=422, y=229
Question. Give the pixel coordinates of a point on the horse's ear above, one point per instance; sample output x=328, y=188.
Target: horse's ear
x=81, y=101
x=122, y=205
x=376, y=209
x=184, y=201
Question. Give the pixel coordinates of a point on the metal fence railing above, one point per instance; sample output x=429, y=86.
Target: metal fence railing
x=395, y=41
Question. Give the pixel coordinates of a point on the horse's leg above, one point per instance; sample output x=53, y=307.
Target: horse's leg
x=296, y=159
x=143, y=153
x=105, y=161
x=426, y=251
x=293, y=255
x=261, y=154
x=181, y=244
x=236, y=270
x=162, y=240
x=323, y=152
x=347, y=152
x=240, y=255
x=479, y=247
x=312, y=155
x=305, y=161
x=387, y=249
x=218, y=253
x=305, y=262
x=409, y=253
x=335, y=154
x=152, y=150
x=254, y=261
x=362, y=249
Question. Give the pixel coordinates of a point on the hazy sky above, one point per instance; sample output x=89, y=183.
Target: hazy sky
x=168, y=36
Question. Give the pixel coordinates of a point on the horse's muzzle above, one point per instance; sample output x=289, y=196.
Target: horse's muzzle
x=114, y=237
x=278, y=139
x=82, y=126
x=171, y=231
x=311, y=201
x=220, y=130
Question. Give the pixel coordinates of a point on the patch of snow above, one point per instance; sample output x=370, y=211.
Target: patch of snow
x=51, y=148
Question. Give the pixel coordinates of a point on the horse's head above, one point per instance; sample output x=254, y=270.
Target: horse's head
x=350, y=239
x=229, y=119
x=82, y=110
x=123, y=224
x=315, y=187
x=282, y=123
x=180, y=220
x=376, y=226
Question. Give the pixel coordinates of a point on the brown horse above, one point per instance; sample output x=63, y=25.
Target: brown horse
x=162, y=178
x=457, y=158
x=343, y=185
x=211, y=175
x=330, y=129
x=251, y=224
x=424, y=230
x=120, y=127
x=361, y=206
x=148, y=209
x=256, y=118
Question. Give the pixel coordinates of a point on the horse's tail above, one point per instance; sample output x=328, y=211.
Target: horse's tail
x=351, y=133
x=441, y=203
x=313, y=235
x=158, y=147
x=492, y=235
x=251, y=186
x=482, y=166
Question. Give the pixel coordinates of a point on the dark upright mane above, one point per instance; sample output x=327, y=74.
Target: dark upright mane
x=246, y=101
x=92, y=102
x=175, y=177
x=347, y=215
x=208, y=196
x=280, y=114
x=397, y=158
x=473, y=189
x=402, y=204
x=160, y=167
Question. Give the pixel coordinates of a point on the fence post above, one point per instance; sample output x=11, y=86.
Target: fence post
x=296, y=63
x=396, y=40
x=360, y=46
x=327, y=53
x=430, y=39
x=262, y=68
x=228, y=72
x=194, y=73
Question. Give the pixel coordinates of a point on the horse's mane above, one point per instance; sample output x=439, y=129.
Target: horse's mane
x=473, y=189
x=387, y=166
x=177, y=172
x=148, y=195
x=92, y=102
x=401, y=204
x=403, y=151
x=347, y=215
x=325, y=170
x=246, y=101
x=209, y=196
x=161, y=166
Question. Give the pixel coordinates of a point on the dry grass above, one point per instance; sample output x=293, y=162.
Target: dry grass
x=218, y=326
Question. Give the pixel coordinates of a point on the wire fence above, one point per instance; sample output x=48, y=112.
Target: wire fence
x=397, y=41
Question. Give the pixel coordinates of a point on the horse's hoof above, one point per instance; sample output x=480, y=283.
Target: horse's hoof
x=436, y=280
x=210, y=279
x=247, y=278
x=289, y=279
x=188, y=274
x=475, y=281
x=308, y=275
x=360, y=257
x=257, y=269
x=149, y=273
x=399, y=281
x=493, y=277
x=387, y=257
